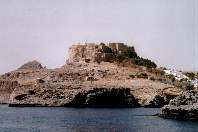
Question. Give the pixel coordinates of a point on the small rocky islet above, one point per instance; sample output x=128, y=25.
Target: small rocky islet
x=100, y=75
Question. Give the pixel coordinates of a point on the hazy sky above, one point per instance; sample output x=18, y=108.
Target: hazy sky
x=162, y=30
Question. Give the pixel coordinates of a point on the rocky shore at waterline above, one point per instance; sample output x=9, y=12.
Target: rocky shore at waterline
x=184, y=106
x=61, y=87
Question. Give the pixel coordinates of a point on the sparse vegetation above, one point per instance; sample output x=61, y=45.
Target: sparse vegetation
x=142, y=75
x=144, y=62
x=172, y=78
x=130, y=54
x=131, y=76
x=191, y=75
x=156, y=71
x=188, y=86
x=135, y=59
x=183, y=80
x=152, y=78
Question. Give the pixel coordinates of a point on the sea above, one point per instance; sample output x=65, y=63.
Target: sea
x=60, y=119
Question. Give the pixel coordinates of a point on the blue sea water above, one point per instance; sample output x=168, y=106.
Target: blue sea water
x=88, y=119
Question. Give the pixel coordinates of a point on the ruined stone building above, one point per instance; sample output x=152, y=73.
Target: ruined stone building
x=91, y=52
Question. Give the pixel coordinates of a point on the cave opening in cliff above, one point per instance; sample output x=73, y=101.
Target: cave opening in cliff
x=101, y=97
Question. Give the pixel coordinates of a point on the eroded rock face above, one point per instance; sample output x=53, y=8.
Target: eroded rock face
x=6, y=88
x=184, y=106
x=163, y=97
x=42, y=94
x=91, y=52
x=72, y=94
x=31, y=65
x=153, y=94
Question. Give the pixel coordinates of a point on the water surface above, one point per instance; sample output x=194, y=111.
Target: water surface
x=88, y=119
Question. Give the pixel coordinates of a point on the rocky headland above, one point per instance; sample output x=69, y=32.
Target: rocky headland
x=95, y=75
x=184, y=106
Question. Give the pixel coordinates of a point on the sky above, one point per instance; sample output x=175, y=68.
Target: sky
x=165, y=31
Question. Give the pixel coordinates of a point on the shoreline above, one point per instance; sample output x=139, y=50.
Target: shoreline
x=72, y=106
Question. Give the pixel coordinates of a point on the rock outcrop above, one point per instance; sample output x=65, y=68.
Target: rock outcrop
x=153, y=94
x=42, y=94
x=32, y=65
x=184, y=106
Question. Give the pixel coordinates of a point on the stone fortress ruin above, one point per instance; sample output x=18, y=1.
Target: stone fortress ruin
x=92, y=52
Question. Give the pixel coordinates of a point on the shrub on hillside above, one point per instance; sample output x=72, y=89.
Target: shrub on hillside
x=156, y=71
x=191, y=75
x=171, y=77
x=188, y=86
x=183, y=80
x=131, y=76
x=132, y=55
x=152, y=78
x=125, y=56
x=142, y=75
x=144, y=62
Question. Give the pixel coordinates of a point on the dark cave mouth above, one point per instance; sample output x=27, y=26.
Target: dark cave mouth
x=105, y=98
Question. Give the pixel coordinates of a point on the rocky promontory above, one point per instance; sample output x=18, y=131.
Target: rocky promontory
x=184, y=106
x=32, y=65
x=95, y=75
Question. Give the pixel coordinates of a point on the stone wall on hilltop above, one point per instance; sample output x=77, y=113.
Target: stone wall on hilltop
x=91, y=52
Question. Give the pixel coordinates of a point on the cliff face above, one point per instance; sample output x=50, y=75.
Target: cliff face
x=6, y=88
x=90, y=52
